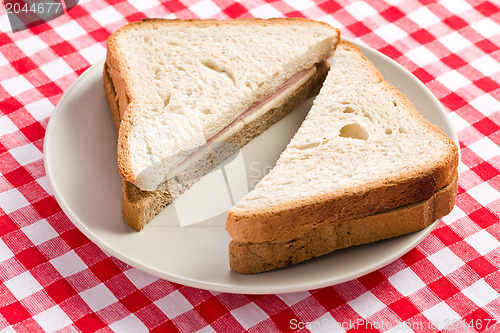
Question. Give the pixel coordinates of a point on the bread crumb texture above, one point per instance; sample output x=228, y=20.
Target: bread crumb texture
x=361, y=130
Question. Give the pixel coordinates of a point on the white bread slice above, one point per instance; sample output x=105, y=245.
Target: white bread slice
x=178, y=83
x=331, y=234
x=363, y=149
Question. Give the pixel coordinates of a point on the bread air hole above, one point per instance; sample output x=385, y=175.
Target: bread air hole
x=354, y=131
x=348, y=109
x=166, y=101
x=219, y=68
x=388, y=130
x=367, y=115
x=307, y=145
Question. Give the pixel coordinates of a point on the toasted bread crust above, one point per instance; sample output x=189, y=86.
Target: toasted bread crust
x=331, y=234
x=119, y=73
x=299, y=217
x=139, y=207
x=111, y=97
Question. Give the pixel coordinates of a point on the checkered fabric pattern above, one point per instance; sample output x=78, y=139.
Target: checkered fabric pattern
x=53, y=278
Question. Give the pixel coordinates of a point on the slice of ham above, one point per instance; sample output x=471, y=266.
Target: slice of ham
x=264, y=105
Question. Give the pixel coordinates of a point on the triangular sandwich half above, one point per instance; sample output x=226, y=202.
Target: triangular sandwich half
x=173, y=86
x=363, y=166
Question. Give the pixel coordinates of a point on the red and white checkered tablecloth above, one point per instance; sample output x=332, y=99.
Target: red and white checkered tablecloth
x=52, y=278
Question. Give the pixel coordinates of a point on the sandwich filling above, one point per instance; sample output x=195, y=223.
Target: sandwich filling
x=255, y=111
x=261, y=107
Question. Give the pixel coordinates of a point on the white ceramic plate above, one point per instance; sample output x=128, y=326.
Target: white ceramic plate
x=80, y=161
